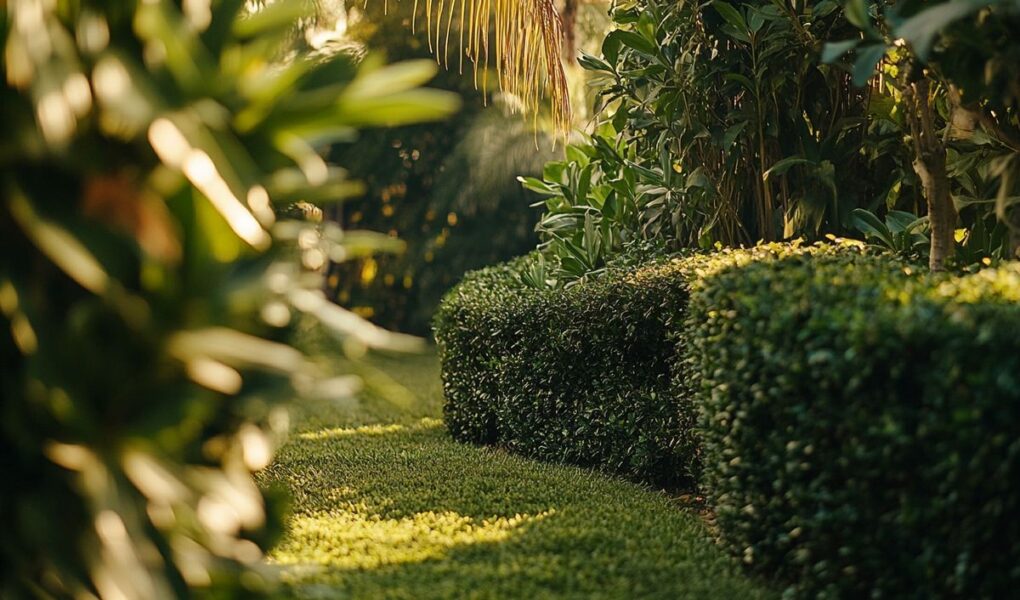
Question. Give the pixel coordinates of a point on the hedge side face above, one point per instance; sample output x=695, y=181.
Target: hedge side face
x=579, y=375
x=861, y=424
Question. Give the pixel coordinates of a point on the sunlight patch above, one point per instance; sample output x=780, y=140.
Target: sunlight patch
x=362, y=540
x=370, y=430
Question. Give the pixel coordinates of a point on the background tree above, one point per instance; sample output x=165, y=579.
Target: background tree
x=958, y=85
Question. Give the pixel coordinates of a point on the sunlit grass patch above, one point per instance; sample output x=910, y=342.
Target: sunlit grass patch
x=368, y=430
x=359, y=539
x=388, y=506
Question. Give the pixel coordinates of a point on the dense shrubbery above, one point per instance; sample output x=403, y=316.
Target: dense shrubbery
x=859, y=424
x=578, y=375
x=857, y=418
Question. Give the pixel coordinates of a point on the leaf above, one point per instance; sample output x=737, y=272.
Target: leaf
x=536, y=185
x=271, y=18
x=922, y=29
x=867, y=59
x=637, y=42
x=59, y=246
x=592, y=63
x=857, y=14
x=732, y=133
x=834, y=50
x=898, y=221
x=730, y=14
x=868, y=224
x=783, y=166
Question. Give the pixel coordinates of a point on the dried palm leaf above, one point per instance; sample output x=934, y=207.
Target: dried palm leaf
x=525, y=40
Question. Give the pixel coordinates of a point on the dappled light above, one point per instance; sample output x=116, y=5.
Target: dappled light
x=360, y=540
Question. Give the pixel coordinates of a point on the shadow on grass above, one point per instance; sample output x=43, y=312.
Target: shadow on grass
x=401, y=511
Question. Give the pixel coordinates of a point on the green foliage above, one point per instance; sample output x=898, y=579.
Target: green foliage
x=591, y=208
x=902, y=232
x=721, y=125
x=147, y=285
x=388, y=506
x=970, y=49
x=859, y=424
x=578, y=374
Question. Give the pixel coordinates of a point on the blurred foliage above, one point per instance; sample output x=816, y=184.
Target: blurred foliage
x=147, y=285
x=447, y=191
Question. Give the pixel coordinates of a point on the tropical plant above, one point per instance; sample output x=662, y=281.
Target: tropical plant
x=147, y=282
x=720, y=124
x=522, y=40
x=447, y=190
x=902, y=232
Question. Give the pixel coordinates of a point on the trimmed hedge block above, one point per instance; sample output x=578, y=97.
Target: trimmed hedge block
x=582, y=374
x=860, y=424
x=578, y=375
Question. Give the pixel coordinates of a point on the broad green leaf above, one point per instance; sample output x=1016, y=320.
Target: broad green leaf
x=637, y=42
x=834, y=50
x=867, y=59
x=857, y=14
x=731, y=15
x=870, y=225
x=783, y=166
x=922, y=29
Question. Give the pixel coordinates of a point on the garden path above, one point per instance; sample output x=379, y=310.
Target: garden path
x=386, y=505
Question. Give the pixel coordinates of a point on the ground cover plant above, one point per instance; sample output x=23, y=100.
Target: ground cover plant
x=386, y=505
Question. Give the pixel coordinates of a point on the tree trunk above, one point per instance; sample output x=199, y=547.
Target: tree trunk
x=930, y=166
x=569, y=19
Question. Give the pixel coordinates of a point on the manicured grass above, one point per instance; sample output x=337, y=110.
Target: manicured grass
x=386, y=505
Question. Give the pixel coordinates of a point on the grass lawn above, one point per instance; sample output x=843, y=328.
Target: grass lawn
x=386, y=505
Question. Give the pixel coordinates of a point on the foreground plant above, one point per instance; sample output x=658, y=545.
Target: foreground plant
x=147, y=285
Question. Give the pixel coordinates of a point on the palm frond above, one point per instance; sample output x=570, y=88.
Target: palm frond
x=525, y=40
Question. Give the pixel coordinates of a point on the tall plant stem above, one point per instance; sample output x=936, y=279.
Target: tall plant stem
x=930, y=166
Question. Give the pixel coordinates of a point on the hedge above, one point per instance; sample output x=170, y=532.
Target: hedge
x=858, y=421
x=582, y=374
x=578, y=375
x=860, y=424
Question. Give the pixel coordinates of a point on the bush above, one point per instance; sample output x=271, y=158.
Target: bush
x=578, y=375
x=859, y=424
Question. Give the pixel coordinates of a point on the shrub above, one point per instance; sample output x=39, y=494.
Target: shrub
x=859, y=424
x=580, y=374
